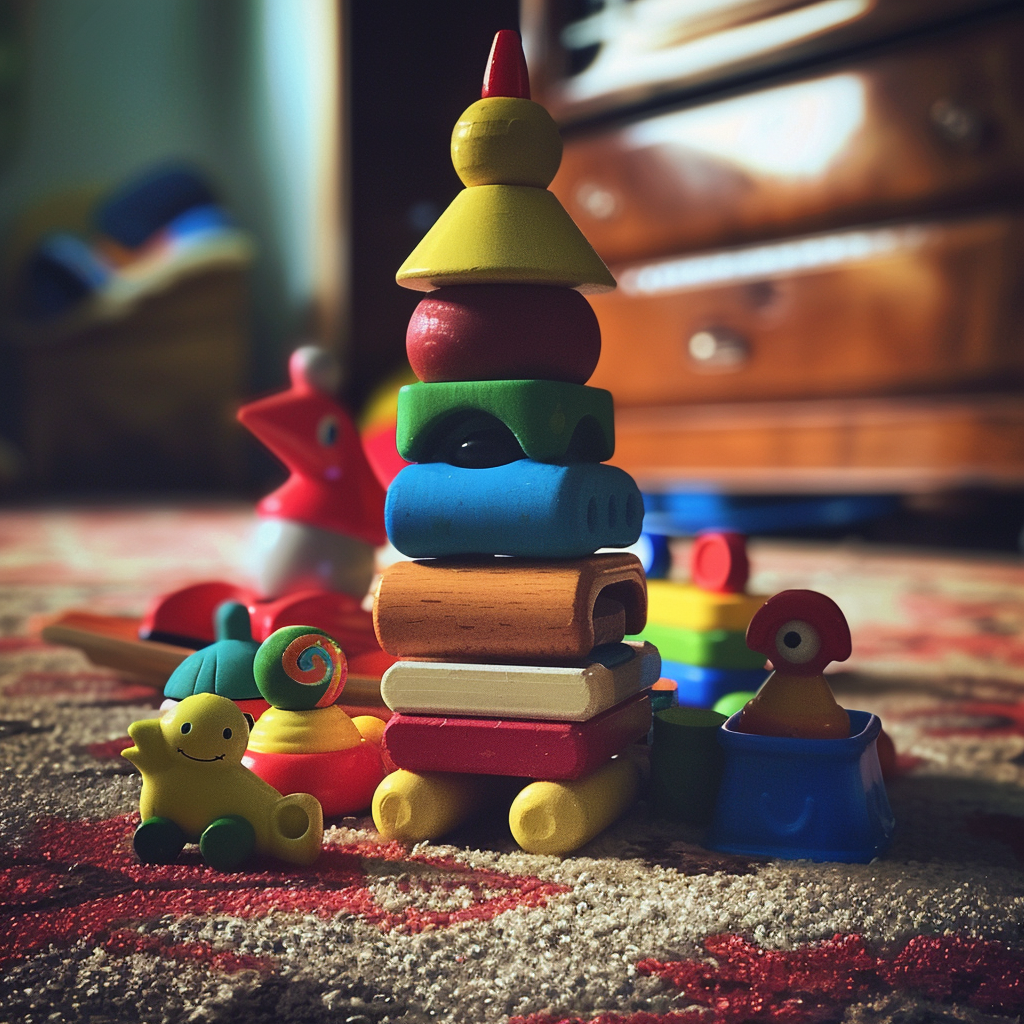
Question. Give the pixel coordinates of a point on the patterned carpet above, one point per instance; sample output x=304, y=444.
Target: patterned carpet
x=643, y=926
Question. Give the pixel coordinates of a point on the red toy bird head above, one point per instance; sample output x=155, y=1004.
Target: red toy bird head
x=332, y=485
x=800, y=632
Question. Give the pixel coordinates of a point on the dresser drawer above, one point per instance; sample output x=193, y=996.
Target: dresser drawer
x=855, y=444
x=899, y=308
x=933, y=126
x=588, y=57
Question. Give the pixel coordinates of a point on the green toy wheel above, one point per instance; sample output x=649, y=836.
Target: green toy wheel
x=227, y=843
x=299, y=668
x=158, y=841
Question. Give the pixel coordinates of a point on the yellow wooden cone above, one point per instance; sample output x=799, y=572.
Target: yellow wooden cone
x=505, y=234
x=411, y=807
x=559, y=817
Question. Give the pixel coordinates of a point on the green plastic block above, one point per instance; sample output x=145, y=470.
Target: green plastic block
x=713, y=648
x=687, y=762
x=552, y=421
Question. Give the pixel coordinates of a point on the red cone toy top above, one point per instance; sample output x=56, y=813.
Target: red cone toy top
x=506, y=73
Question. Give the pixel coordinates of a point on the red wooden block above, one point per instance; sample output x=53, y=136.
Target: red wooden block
x=528, y=749
x=718, y=562
x=503, y=332
x=800, y=632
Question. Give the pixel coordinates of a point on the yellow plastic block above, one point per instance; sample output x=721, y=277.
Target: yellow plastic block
x=411, y=807
x=505, y=234
x=504, y=140
x=688, y=607
x=559, y=817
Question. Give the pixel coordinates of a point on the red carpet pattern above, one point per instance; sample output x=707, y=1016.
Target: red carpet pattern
x=643, y=926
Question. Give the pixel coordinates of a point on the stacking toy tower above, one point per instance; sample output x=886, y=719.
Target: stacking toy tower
x=510, y=667
x=700, y=626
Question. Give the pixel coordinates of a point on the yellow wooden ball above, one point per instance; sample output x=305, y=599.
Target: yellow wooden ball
x=503, y=140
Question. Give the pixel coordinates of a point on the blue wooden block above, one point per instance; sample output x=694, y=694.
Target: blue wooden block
x=525, y=508
x=702, y=685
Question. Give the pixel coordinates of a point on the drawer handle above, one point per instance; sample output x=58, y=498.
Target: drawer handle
x=717, y=350
x=958, y=123
x=597, y=201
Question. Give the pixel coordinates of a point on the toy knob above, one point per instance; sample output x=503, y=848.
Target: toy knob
x=231, y=622
x=505, y=138
x=313, y=368
x=718, y=562
x=506, y=141
x=506, y=73
x=299, y=668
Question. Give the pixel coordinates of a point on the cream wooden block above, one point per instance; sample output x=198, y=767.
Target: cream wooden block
x=564, y=693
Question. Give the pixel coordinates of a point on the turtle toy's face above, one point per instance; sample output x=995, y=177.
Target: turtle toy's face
x=206, y=729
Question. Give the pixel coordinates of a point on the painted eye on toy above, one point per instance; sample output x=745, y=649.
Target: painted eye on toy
x=797, y=642
x=327, y=431
x=226, y=734
x=186, y=728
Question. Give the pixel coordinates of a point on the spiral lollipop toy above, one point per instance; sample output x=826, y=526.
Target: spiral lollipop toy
x=305, y=742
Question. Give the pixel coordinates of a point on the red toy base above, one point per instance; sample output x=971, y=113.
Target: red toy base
x=343, y=781
x=186, y=616
x=529, y=749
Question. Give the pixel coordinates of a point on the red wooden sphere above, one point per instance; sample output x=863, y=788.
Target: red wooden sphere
x=503, y=332
x=718, y=562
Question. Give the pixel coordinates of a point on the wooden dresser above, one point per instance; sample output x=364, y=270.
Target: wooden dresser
x=815, y=213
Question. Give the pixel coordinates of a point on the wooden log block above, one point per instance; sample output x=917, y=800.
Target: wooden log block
x=507, y=608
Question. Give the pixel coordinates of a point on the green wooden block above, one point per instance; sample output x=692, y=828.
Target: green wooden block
x=713, y=648
x=478, y=423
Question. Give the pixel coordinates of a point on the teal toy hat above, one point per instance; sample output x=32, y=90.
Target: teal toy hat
x=225, y=667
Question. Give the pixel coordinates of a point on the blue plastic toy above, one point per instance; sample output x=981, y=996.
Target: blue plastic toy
x=821, y=800
x=702, y=686
x=653, y=551
x=681, y=513
x=525, y=508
